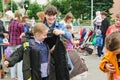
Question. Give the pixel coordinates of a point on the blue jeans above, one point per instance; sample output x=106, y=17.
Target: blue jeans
x=70, y=62
x=99, y=51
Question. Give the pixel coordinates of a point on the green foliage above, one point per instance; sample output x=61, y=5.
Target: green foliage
x=33, y=9
x=82, y=7
x=1, y=9
x=14, y=6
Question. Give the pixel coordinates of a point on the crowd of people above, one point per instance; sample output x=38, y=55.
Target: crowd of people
x=49, y=53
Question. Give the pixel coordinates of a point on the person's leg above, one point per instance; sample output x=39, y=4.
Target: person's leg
x=98, y=50
x=103, y=44
x=13, y=72
x=19, y=71
x=69, y=62
x=45, y=78
x=1, y=41
x=0, y=54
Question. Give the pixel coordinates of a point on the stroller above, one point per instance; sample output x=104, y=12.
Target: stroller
x=83, y=45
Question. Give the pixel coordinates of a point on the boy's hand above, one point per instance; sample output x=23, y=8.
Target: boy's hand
x=6, y=63
x=110, y=67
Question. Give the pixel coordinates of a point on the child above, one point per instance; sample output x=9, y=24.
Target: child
x=97, y=21
x=99, y=42
x=112, y=44
x=34, y=54
x=70, y=42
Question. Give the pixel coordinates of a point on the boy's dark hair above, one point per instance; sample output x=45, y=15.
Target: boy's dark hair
x=51, y=10
x=112, y=41
x=104, y=13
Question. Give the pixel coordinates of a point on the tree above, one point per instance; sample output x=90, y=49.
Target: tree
x=82, y=7
x=100, y=5
x=1, y=8
x=14, y=6
x=33, y=9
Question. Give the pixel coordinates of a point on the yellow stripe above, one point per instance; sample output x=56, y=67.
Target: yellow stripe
x=29, y=78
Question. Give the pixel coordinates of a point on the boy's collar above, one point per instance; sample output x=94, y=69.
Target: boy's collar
x=36, y=40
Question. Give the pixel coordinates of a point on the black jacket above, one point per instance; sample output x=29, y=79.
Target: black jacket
x=31, y=61
x=60, y=63
x=104, y=26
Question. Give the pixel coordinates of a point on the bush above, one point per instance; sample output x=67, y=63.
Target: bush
x=33, y=9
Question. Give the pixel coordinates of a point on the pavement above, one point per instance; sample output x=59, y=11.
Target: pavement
x=94, y=72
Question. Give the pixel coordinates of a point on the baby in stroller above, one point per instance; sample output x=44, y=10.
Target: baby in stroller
x=83, y=45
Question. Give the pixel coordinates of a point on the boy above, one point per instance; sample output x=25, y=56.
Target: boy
x=113, y=28
x=34, y=54
x=112, y=43
x=99, y=42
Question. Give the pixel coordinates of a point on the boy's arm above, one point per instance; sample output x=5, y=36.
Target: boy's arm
x=16, y=56
x=103, y=62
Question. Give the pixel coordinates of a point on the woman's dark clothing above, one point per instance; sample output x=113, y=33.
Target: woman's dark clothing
x=104, y=26
x=2, y=29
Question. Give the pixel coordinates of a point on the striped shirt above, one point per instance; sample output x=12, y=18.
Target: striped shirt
x=15, y=29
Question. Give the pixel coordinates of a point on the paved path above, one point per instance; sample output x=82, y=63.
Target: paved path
x=94, y=72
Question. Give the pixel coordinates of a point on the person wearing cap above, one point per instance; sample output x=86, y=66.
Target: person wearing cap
x=99, y=42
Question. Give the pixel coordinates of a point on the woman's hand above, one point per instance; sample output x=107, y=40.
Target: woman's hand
x=58, y=32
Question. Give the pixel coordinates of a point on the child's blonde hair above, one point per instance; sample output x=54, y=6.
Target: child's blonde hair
x=68, y=26
x=39, y=28
x=112, y=41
